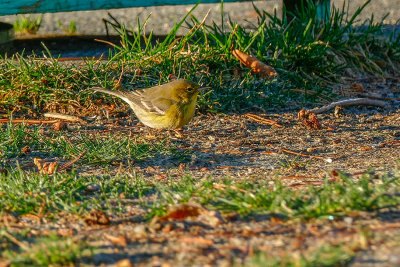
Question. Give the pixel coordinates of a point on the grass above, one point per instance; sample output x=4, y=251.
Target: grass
x=45, y=251
x=326, y=255
x=27, y=24
x=250, y=198
x=52, y=196
x=71, y=29
x=309, y=55
x=100, y=149
x=28, y=192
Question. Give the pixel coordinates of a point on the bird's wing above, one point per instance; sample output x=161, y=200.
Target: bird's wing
x=153, y=103
x=159, y=106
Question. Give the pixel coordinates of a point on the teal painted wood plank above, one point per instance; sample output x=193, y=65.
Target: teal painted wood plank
x=9, y=7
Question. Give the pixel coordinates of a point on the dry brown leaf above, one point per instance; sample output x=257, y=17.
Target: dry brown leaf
x=338, y=111
x=357, y=87
x=26, y=150
x=97, y=217
x=117, y=240
x=382, y=64
x=308, y=119
x=297, y=184
x=211, y=217
x=276, y=220
x=8, y=219
x=117, y=83
x=60, y=125
x=110, y=107
x=334, y=173
x=254, y=64
x=45, y=167
x=66, y=232
x=181, y=212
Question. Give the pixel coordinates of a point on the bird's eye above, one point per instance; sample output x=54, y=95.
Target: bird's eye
x=190, y=89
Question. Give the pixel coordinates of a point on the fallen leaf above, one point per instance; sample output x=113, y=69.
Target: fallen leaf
x=181, y=212
x=45, y=167
x=211, y=217
x=276, y=220
x=60, y=125
x=297, y=184
x=254, y=64
x=382, y=64
x=117, y=240
x=97, y=217
x=110, y=107
x=117, y=83
x=66, y=232
x=172, y=77
x=357, y=87
x=334, y=173
x=338, y=111
x=8, y=219
x=309, y=119
x=26, y=150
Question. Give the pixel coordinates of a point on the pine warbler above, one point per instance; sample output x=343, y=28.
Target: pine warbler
x=168, y=106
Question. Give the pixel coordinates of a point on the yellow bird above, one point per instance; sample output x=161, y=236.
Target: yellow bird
x=168, y=106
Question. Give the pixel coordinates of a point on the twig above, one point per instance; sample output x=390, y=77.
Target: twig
x=106, y=42
x=68, y=164
x=350, y=102
x=262, y=120
x=14, y=240
x=78, y=58
x=393, y=142
x=379, y=97
x=201, y=23
x=63, y=117
x=118, y=84
x=27, y=121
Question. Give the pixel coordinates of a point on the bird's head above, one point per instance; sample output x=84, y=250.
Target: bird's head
x=185, y=90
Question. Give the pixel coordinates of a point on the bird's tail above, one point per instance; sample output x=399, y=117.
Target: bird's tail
x=122, y=95
x=119, y=94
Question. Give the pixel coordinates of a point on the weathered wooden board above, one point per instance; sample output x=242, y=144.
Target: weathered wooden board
x=9, y=7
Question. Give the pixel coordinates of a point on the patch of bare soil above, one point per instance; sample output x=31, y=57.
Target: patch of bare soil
x=246, y=147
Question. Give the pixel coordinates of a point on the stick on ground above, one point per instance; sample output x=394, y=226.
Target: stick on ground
x=350, y=102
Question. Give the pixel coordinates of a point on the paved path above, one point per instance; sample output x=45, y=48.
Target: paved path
x=163, y=17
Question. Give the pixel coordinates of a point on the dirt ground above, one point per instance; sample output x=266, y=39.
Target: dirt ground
x=353, y=140
x=244, y=146
x=239, y=147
